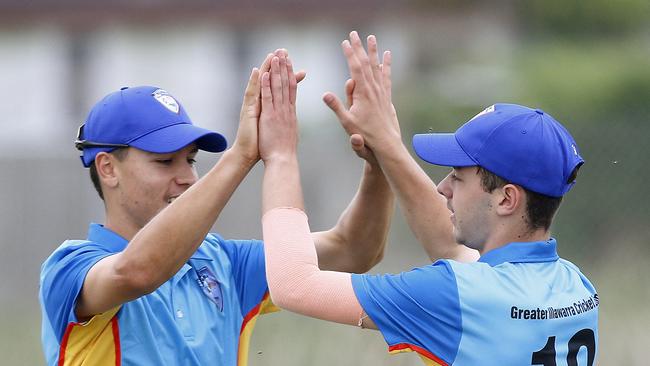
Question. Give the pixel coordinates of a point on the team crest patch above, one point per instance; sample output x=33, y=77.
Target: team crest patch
x=211, y=287
x=166, y=100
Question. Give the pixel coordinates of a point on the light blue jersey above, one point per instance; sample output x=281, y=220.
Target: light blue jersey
x=518, y=305
x=203, y=315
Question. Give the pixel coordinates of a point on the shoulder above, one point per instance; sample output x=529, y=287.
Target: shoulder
x=575, y=270
x=72, y=248
x=473, y=269
x=440, y=274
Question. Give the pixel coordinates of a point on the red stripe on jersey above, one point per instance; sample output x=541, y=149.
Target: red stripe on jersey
x=420, y=350
x=116, y=339
x=251, y=314
x=64, y=343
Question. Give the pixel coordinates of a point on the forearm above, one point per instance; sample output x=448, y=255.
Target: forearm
x=357, y=241
x=295, y=281
x=161, y=248
x=424, y=208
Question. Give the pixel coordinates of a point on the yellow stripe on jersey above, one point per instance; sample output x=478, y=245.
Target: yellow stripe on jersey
x=264, y=307
x=95, y=342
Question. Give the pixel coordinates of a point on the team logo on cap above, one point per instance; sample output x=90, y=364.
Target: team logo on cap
x=487, y=110
x=166, y=100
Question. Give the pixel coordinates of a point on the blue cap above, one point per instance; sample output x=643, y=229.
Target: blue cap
x=525, y=146
x=144, y=117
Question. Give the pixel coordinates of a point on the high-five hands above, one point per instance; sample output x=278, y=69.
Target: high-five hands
x=370, y=112
x=247, y=134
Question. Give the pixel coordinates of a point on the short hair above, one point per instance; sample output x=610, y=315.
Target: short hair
x=120, y=154
x=540, y=208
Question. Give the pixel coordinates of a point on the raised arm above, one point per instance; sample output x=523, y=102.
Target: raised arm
x=373, y=116
x=357, y=242
x=295, y=280
x=165, y=243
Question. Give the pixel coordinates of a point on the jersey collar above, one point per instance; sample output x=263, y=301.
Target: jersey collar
x=106, y=237
x=115, y=243
x=528, y=252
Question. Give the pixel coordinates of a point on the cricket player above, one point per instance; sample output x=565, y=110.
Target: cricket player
x=151, y=286
x=519, y=304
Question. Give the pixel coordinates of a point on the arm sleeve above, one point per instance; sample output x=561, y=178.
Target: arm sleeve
x=62, y=278
x=295, y=281
x=247, y=261
x=419, y=309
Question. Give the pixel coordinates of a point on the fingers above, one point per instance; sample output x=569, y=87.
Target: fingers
x=265, y=66
x=293, y=83
x=374, y=58
x=284, y=78
x=335, y=104
x=300, y=76
x=276, y=83
x=252, y=88
x=359, y=147
x=267, y=99
x=349, y=89
x=353, y=64
x=361, y=55
x=386, y=73
x=356, y=141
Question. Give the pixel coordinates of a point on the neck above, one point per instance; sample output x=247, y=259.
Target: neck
x=505, y=237
x=121, y=226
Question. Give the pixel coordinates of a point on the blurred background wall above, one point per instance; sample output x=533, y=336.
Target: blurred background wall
x=585, y=62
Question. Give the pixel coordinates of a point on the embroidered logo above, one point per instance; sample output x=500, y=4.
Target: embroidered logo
x=210, y=286
x=166, y=100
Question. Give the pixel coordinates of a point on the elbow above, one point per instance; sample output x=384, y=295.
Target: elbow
x=284, y=300
x=367, y=259
x=369, y=262
x=378, y=258
x=285, y=295
x=135, y=280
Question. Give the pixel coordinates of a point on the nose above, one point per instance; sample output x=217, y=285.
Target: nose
x=444, y=187
x=186, y=175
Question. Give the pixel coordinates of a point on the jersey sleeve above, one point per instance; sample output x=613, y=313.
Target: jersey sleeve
x=62, y=277
x=248, y=270
x=417, y=310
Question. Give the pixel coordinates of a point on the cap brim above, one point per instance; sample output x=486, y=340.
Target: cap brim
x=176, y=137
x=441, y=149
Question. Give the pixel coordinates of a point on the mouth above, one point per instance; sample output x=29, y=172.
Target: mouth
x=171, y=199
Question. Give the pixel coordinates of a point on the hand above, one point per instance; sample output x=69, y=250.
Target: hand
x=278, y=134
x=371, y=112
x=356, y=140
x=246, y=141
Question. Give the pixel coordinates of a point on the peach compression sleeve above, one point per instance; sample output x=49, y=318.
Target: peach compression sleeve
x=295, y=281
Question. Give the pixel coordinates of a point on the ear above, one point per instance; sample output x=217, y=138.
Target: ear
x=107, y=170
x=511, y=199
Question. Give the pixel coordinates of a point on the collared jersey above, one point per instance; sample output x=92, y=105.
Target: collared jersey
x=203, y=315
x=518, y=305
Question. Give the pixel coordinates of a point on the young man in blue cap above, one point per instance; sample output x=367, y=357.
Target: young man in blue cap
x=150, y=286
x=519, y=304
